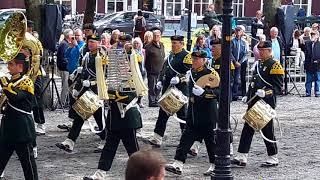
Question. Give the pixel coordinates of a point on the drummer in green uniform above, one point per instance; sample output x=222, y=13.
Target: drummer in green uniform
x=202, y=112
x=17, y=131
x=173, y=74
x=265, y=84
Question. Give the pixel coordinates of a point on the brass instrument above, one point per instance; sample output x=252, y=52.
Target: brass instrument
x=259, y=115
x=101, y=61
x=13, y=37
x=172, y=100
x=141, y=88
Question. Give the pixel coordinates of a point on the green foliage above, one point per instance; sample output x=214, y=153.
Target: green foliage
x=201, y=31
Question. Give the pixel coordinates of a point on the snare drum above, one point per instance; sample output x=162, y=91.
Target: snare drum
x=259, y=115
x=87, y=105
x=172, y=100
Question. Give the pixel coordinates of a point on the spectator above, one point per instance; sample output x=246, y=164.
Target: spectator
x=238, y=56
x=215, y=33
x=277, y=44
x=140, y=25
x=62, y=63
x=148, y=37
x=315, y=27
x=105, y=40
x=137, y=47
x=72, y=54
x=306, y=35
x=312, y=64
x=115, y=36
x=257, y=27
x=155, y=54
x=210, y=17
x=297, y=48
x=256, y=52
x=145, y=165
x=201, y=45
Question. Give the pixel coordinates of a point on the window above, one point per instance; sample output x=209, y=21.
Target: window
x=238, y=8
x=305, y=4
x=115, y=6
x=199, y=6
x=174, y=7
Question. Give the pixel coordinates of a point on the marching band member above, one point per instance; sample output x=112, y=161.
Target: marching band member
x=202, y=115
x=123, y=120
x=87, y=81
x=17, y=131
x=266, y=83
x=173, y=73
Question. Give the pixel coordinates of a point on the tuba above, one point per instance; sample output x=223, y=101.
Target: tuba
x=13, y=37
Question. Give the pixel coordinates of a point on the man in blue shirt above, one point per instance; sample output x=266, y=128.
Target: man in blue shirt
x=73, y=51
x=238, y=56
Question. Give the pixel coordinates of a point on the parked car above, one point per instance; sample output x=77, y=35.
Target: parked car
x=123, y=21
x=5, y=14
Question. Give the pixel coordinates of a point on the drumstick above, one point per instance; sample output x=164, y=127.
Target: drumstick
x=254, y=96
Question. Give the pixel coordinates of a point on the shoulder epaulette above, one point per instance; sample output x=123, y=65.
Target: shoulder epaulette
x=26, y=85
x=277, y=68
x=187, y=59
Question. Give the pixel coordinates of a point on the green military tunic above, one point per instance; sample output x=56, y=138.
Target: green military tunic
x=180, y=62
x=17, y=124
x=203, y=110
x=270, y=78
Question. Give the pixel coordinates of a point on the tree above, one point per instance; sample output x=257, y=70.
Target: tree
x=89, y=12
x=33, y=12
x=218, y=5
x=270, y=10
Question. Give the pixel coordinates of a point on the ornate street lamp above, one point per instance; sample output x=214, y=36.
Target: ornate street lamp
x=222, y=169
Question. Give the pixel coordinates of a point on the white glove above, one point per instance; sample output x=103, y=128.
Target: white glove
x=86, y=83
x=71, y=77
x=159, y=85
x=75, y=93
x=261, y=93
x=244, y=99
x=197, y=90
x=175, y=80
x=79, y=69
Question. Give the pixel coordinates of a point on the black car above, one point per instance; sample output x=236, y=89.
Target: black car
x=123, y=21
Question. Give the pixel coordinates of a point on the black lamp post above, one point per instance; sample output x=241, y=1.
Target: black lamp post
x=189, y=41
x=222, y=169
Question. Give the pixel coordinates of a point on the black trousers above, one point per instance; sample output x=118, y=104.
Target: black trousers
x=162, y=120
x=243, y=72
x=26, y=157
x=153, y=92
x=129, y=140
x=247, y=134
x=188, y=137
x=78, y=123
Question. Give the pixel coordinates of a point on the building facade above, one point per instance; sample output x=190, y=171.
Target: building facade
x=172, y=9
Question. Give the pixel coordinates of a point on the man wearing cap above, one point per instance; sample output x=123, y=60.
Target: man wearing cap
x=202, y=113
x=124, y=42
x=121, y=123
x=86, y=82
x=30, y=26
x=265, y=84
x=239, y=58
x=173, y=74
x=17, y=131
x=88, y=29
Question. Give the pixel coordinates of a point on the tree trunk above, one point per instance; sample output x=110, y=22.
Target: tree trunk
x=90, y=10
x=270, y=10
x=33, y=12
x=218, y=5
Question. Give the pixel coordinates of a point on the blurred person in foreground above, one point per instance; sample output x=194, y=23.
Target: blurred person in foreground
x=145, y=165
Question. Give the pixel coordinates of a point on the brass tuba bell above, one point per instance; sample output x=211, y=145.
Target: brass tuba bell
x=12, y=35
